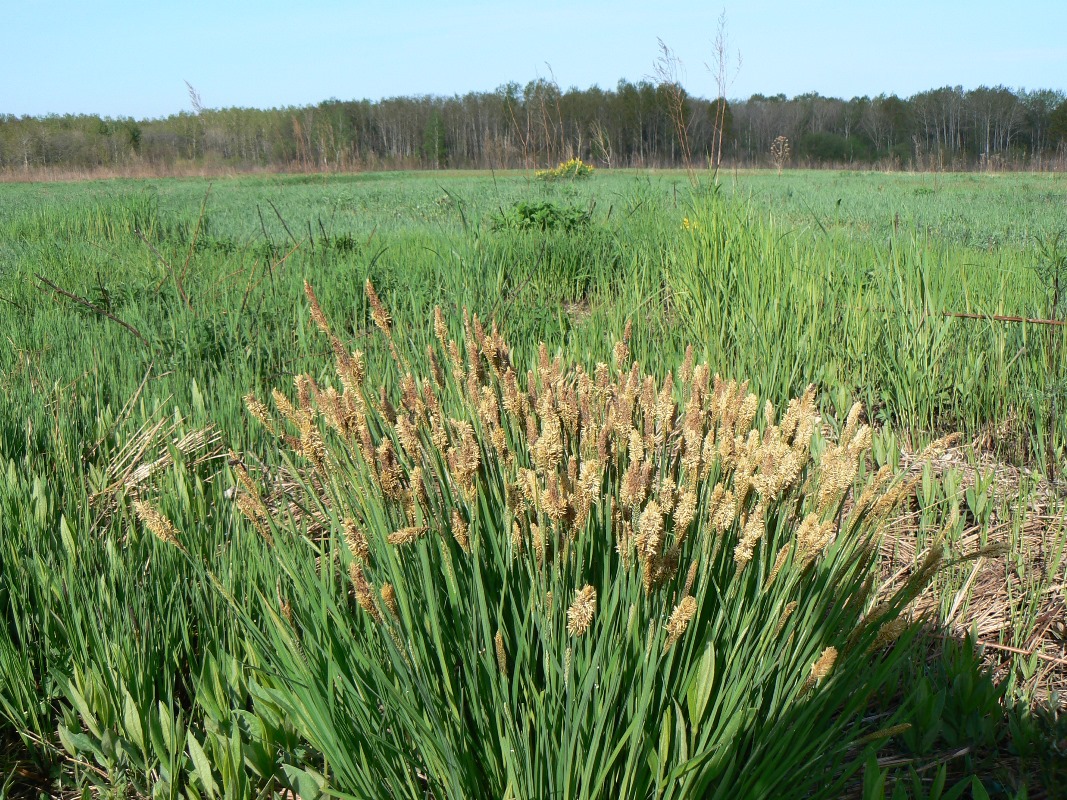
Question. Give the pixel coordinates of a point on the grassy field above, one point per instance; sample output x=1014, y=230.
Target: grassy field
x=138, y=315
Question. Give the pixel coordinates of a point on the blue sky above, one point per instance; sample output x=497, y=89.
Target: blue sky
x=132, y=59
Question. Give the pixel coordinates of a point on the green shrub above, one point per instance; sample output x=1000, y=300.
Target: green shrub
x=542, y=216
x=575, y=169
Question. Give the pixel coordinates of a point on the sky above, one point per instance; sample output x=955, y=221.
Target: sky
x=133, y=59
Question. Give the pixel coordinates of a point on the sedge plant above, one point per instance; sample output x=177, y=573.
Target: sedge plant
x=560, y=583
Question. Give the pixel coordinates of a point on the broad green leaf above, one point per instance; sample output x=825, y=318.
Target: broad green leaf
x=67, y=537
x=307, y=783
x=82, y=707
x=78, y=744
x=131, y=720
x=166, y=723
x=202, y=766
x=156, y=736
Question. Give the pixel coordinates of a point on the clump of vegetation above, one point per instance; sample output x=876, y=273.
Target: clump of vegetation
x=568, y=583
x=574, y=169
x=542, y=216
x=780, y=153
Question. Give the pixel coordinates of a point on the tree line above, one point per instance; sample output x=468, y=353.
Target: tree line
x=636, y=124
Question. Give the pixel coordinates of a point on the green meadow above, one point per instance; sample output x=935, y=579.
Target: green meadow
x=366, y=597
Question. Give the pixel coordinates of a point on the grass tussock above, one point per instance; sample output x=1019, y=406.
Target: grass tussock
x=563, y=583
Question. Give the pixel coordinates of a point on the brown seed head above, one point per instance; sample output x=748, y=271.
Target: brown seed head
x=633, y=490
x=889, y=632
x=501, y=655
x=746, y=414
x=690, y=577
x=378, y=313
x=352, y=369
x=567, y=405
x=837, y=471
x=686, y=373
x=317, y=316
x=812, y=538
x=389, y=471
x=312, y=446
x=537, y=537
x=460, y=531
x=417, y=486
x=751, y=534
x=547, y=453
x=779, y=562
x=286, y=408
x=407, y=535
x=260, y=412
x=666, y=494
x=465, y=459
x=649, y=538
x=821, y=668
x=389, y=598
x=580, y=614
x=554, y=501
x=852, y=422
x=787, y=612
x=723, y=508
x=459, y=370
x=356, y=540
x=664, y=408
x=407, y=435
x=589, y=478
x=440, y=329
x=161, y=527
x=364, y=592
x=679, y=620
x=253, y=509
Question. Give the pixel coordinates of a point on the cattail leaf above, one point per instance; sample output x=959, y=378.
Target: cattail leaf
x=701, y=685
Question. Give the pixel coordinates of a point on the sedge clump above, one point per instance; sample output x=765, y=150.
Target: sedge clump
x=711, y=561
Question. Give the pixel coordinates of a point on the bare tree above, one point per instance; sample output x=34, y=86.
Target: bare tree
x=602, y=142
